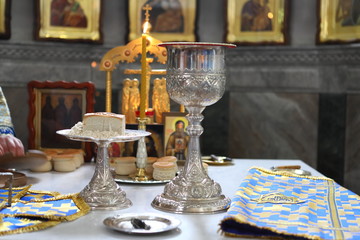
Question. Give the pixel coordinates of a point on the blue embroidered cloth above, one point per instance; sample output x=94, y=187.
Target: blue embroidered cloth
x=282, y=205
x=34, y=210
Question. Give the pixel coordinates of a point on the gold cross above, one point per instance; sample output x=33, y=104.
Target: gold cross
x=147, y=8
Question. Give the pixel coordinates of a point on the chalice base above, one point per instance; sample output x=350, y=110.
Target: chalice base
x=205, y=206
x=110, y=199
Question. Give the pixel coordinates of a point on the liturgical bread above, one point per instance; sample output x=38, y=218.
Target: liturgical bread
x=104, y=121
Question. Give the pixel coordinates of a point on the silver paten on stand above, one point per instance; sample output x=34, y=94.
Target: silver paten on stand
x=102, y=192
x=195, y=78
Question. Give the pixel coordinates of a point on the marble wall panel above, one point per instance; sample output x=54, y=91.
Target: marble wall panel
x=270, y=125
x=19, y=73
x=352, y=78
x=215, y=137
x=352, y=150
x=294, y=78
x=331, y=135
x=333, y=79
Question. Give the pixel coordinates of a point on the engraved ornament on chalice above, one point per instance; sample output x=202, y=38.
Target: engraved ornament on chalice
x=195, y=78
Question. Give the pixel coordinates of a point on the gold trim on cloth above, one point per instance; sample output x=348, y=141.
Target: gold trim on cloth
x=38, y=225
x=333, y=211
x=18, y=193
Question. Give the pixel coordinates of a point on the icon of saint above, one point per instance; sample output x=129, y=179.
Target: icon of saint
x=67, y=13
x=75, y=113
x=47, y=123
x=178, y=141
x=256, y=16
x=165, y=16
x=348, y=12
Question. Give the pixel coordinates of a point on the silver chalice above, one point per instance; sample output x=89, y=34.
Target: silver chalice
x=195, y=78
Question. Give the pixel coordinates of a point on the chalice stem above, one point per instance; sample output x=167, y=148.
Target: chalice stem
x=194, y=130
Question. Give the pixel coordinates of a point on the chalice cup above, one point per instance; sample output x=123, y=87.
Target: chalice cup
x=195, y=78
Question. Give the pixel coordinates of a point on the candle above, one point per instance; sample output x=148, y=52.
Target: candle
x=143, y=77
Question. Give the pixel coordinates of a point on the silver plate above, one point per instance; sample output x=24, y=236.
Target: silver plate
x=158, y=223
x=126, y=179
x=130, y=135
x=300, y=172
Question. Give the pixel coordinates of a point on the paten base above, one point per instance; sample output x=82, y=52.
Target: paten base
x=205, y=206
x=126, y=204
x=112, y=199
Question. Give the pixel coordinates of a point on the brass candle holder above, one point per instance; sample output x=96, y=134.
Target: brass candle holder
x=141, y=155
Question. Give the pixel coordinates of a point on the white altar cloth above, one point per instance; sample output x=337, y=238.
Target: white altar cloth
x=90, y=226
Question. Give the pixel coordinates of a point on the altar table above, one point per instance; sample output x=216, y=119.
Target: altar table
x=90, y=226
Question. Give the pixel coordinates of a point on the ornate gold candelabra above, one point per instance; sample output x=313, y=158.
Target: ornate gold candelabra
x=127, y=54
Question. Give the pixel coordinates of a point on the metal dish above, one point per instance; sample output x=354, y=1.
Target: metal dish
x=126, y=179
x=33, y=158
x=217, y=160
x=296, y=171
x=19, y=180
x=209, y=162
x=157, y=223
x=130, y=135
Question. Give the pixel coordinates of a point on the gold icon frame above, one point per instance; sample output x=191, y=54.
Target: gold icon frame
x=278, y=35
x=332, y=30
x=189, y=29
x=5, y=19
x=90, y=33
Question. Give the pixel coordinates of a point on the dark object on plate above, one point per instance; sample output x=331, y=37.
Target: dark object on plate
x=157, y=223
x=31, y=159
x=139, y=224
x=19, y=180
